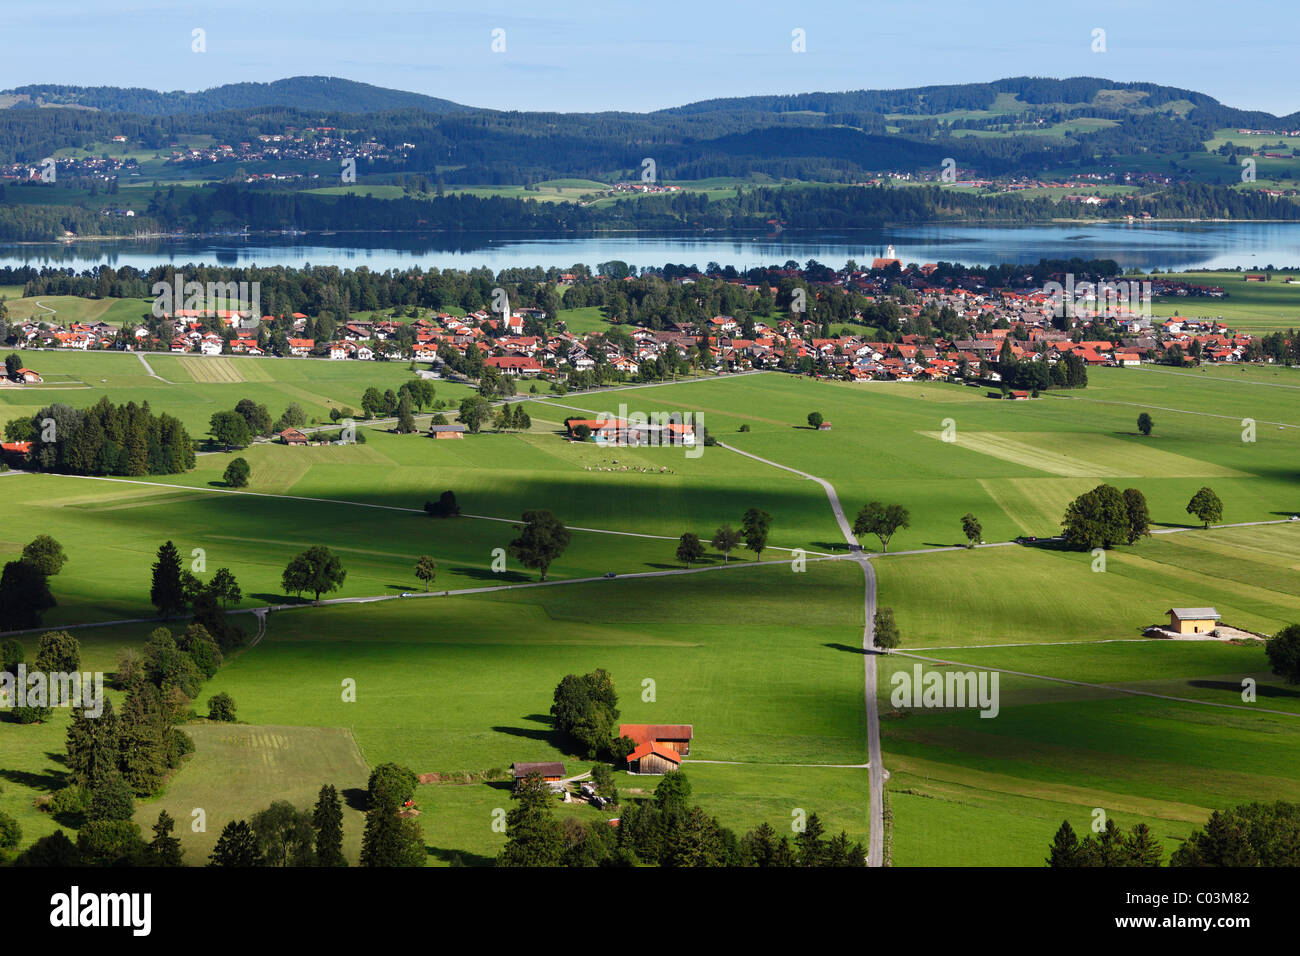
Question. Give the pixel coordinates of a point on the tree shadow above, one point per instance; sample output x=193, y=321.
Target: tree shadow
x=357, y=798
x=846, y=647
x=1174, y=524
x=1261, y=690
x=550, y=736
x=548, y=732
x=48, y=780
x=459, y=857
x=279, y=599
x=483, y=574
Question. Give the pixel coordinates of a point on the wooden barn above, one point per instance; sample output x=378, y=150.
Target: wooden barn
x=654, y=757
x=551, y=772
x=676, y=737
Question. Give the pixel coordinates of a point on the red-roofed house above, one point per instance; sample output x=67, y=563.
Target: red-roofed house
x=514, y=365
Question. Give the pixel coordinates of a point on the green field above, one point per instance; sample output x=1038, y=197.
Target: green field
x=192, y=387
x=1255, y=307
x=765, y=662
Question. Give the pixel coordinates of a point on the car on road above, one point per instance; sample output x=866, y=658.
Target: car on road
x=406, y=594
x=610, y=574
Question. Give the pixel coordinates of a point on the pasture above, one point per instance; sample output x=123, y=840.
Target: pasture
x=192, y=387
x=764, y=661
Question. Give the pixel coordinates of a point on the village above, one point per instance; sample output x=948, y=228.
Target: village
x=1001, y=325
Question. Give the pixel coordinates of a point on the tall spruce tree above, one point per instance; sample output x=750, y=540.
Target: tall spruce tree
x=166, y=594
x=165, y=849
x=327, y=821
x=532, y=835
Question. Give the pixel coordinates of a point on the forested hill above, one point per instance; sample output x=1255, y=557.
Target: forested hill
x=299, y=92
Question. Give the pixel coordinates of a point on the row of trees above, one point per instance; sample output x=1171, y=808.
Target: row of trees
x=105, y=439
x=1105, y=516
x=665, y=831
x=174, y=590
x=755, y=525
x=1250, y=834
x=248, y=420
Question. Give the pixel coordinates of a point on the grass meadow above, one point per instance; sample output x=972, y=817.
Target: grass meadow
x=764, y=662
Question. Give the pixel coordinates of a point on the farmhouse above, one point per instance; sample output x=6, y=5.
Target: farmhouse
x=1193, y=620
x=552, y=772
x=514, y=365
x=292, y=436
x=27, y=377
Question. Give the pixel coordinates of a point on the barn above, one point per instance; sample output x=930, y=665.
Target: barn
x=676, y=737
x=552, y=772
x=1193, y=620
x=654, y=757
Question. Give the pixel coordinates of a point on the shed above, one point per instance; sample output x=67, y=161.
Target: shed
x=1193, y=620
x=653, y=757
x=551, y=772
x=447, y=431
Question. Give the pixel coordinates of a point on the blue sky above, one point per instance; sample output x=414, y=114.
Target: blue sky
x=611, y=54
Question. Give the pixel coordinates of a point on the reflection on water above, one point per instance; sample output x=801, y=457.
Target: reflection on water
x=1143, y=245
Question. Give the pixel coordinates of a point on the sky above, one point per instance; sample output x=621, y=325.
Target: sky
x=590, y=55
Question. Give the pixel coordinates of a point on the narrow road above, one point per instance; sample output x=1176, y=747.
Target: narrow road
x=260, y=613
x=876, y=768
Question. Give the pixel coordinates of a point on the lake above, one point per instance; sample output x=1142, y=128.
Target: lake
x=1249, y=245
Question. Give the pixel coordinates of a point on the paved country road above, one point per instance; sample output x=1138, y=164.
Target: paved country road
x=875, y=763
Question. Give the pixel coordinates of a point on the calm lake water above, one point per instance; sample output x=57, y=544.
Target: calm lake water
x=1143, y=245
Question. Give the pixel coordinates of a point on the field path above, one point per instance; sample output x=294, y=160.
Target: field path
x=875, y=764
x=149, y=368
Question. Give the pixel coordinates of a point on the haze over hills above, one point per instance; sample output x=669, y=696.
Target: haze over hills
x=338, y=95
x=296, y=92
